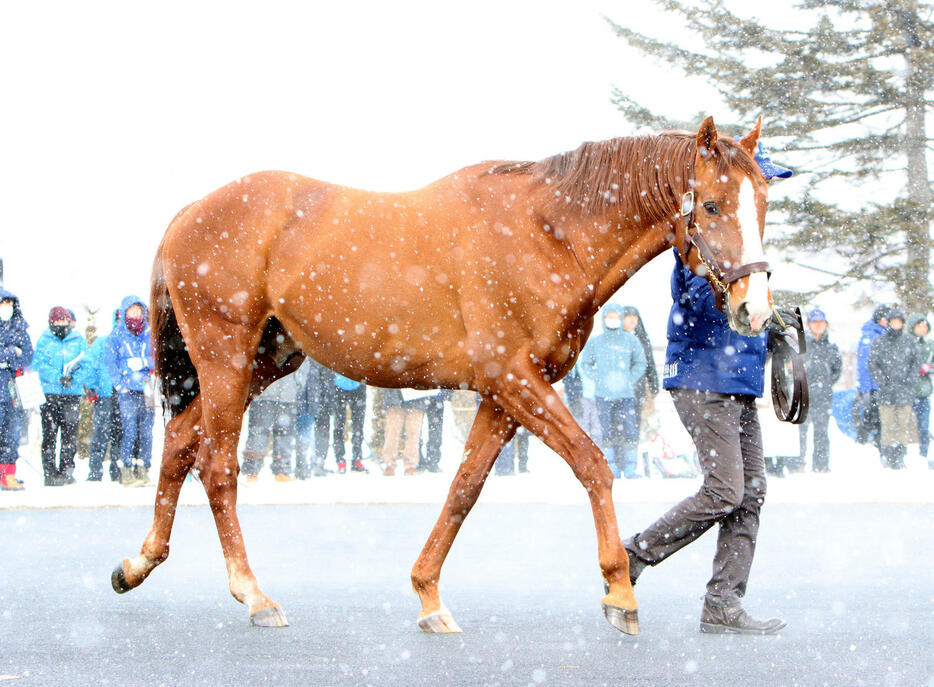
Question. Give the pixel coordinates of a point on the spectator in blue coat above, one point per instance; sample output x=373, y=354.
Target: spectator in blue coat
x=106, y=419
x=714, y=376
x=869, y=427
x=615, y=361
x=128, y=358
x=59, y=360
x=15, y=356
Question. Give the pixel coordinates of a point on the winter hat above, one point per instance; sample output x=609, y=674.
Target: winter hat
x=896, y=312
x=817, y=315
x=914, y=319
x=880, y=312
x=769, y=168
x=60, y=313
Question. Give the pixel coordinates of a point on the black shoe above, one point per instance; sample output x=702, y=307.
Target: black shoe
x=636, y=566
x=94, y=478
x=717, y=619
x=54, y=480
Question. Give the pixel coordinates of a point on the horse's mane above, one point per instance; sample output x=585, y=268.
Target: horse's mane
x=643, y=175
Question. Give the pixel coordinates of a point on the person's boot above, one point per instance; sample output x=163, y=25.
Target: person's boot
x=726, y=619
x=357, y=466
x=8, y=481
x=127, y=477
x=142, y=477
x=54, y=479
x=341, y=467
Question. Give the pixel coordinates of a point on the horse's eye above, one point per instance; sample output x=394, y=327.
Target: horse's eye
x=711, y=208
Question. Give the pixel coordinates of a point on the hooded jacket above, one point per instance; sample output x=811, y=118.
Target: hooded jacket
x=926, y=350
x=97, y=378
x=53, y=355
x=613, y=360
x=128, y=356
x=870, y=332
x=894, y=361
x=703, y=352
x=823, y=365
x=15, y=346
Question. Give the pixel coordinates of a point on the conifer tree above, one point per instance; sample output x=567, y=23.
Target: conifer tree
x=845, y=98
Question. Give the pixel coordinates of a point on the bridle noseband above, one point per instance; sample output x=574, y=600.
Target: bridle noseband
x=719, y=277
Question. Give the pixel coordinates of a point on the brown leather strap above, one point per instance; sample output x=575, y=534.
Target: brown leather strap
x=745, y=270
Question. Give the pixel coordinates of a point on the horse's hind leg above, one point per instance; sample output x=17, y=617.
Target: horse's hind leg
x=491, y=429
x=178, y=455
x=224, y=390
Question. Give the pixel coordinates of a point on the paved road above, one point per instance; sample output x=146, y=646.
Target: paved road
x=853, y=582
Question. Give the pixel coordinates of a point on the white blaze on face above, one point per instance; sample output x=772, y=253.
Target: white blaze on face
x=757, y=291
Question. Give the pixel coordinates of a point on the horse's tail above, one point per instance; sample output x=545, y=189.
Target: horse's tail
x=178, y=378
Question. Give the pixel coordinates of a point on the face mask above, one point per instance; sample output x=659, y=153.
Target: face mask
x=61, y=330
x=135, y=325
x=612, y=323
x=6, y=312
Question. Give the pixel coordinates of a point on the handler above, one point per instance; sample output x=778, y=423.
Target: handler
x=714, y=376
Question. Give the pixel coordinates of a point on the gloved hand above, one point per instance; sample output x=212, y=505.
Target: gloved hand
x=926, y=369
x=65, y=381
x=91, y=396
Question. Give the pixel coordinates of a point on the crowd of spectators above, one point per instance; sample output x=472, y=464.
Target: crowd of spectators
x=304, y=422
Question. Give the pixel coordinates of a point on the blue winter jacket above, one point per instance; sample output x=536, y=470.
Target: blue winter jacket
x=53, y=354
x=613, y=360
x=870, y=332
x=15, y=347
x=97, y=379
x=345, y=383
x=703, y=352
x=128, y=356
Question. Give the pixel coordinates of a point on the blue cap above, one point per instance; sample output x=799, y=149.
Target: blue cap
x=817, y=315
x=769, y=168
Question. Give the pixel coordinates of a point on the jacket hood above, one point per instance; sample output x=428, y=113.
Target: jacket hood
x=612, y=307
x=9, y=296
x=130, y=301
x=914, y=319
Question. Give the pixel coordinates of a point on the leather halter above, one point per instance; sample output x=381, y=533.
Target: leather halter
x=719, y=276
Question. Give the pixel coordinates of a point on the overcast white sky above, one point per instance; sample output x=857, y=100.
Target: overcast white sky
x=116, y=115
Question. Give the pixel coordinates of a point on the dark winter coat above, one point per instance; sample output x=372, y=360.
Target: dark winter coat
x=894, y=361
x=15, y=347
x=703, y=352
x=823, y=365
x=871, y=331
x=649, y=381
x=128, y=356
x=923, y=387
x=53, y=354
x=317, y=392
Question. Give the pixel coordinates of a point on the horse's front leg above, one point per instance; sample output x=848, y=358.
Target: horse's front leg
x=527, y=397
x=491, y=430
x=178, y=455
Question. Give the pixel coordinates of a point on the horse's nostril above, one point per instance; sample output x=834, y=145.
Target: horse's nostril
x=742, y=314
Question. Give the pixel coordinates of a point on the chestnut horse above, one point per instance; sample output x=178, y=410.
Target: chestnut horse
x=487, y=279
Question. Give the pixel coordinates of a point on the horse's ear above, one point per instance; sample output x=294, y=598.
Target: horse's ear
x=707, y=138
x=750, y=141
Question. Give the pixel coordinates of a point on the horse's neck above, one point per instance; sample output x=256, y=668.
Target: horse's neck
x=610, y=252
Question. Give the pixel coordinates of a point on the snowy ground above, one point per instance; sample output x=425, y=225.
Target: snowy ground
x=856, y=477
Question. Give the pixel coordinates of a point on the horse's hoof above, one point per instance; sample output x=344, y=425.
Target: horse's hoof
x=271, y=616
x=118, y=579
x=441, y=622
x=623, y=619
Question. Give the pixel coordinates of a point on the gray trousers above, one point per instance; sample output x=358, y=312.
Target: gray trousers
x=726, y=432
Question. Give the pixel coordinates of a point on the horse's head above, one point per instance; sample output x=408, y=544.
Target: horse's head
x=724, y=223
